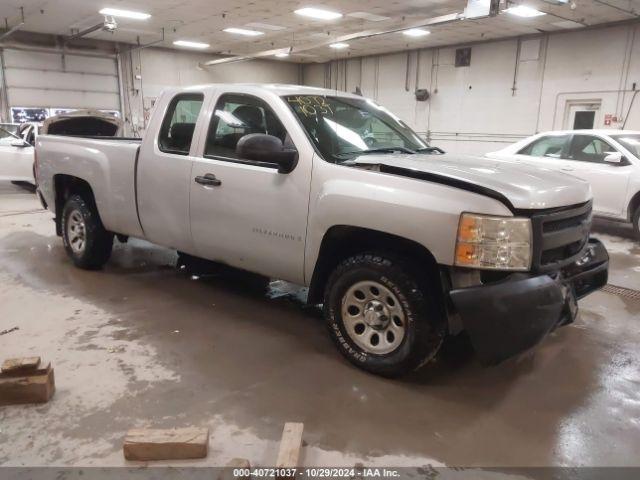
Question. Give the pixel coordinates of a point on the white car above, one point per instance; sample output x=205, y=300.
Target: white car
x=608, y=159
x=16, y=158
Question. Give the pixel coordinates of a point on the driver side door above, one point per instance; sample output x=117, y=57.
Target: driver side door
x=243, y=212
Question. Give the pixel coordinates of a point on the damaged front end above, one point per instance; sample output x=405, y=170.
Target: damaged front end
x=511, y=315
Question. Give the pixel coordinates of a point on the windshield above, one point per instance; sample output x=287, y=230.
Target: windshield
x=344, y=128
x=6, y=137
x=631, y=142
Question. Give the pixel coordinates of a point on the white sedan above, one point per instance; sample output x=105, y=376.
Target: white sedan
x=16, y=158
x=608, y=159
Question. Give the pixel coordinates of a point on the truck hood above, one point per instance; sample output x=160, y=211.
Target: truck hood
x=520, y=186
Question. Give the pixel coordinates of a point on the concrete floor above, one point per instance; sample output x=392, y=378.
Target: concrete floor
x=141, y=344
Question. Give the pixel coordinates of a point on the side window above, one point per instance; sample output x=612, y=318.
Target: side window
x=179, y=123
x=238, y=115
x=587, y=148
x=549, y=146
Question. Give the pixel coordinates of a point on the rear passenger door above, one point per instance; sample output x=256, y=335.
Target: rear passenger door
x=164, y=173
x=248, y=215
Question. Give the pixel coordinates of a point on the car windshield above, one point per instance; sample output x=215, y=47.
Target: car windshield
x=343, y=128
x=631, y=142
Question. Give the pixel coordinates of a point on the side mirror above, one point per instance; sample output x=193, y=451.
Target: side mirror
x=269, y=149
x=613, y=157
x=19, y=143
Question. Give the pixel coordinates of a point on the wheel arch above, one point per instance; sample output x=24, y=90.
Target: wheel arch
x=634, y=204
x=64, y=187
x=342, y=241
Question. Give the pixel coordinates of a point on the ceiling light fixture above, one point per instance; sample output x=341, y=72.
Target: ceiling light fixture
x=318, y=13
x=339, y=45
x=416, y=32
x=243, y=31
x=188, y=44
x=524, y=11
x=116, y=12
x=281, y=55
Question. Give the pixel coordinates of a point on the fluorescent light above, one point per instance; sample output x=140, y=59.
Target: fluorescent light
x=524, y=11
x=115, y=12
x=368, y=16
x=282, y=55
x=243, y=31
x=318, y=13
x=339, y=45
x=416, y=32
x=265, y=26
x=188, y=44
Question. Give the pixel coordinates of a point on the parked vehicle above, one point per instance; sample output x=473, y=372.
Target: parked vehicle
x=401, y=244
x=608, y=159
x=16, y=158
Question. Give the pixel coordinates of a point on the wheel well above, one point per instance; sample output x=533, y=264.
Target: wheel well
x=66, y=186
x=634, y=204
x=341, y=242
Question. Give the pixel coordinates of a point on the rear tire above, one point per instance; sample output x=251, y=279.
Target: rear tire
x=636, y=223
x=382, y=318
x=85, y=239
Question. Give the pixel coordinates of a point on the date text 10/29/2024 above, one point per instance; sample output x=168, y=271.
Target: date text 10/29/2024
x=320, y=472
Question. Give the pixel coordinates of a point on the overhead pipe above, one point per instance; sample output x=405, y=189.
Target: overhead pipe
x=9, y=31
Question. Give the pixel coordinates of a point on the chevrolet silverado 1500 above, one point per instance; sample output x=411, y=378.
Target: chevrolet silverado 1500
x=401, y=243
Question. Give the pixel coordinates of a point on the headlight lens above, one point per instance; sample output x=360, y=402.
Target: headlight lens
x=495, y=243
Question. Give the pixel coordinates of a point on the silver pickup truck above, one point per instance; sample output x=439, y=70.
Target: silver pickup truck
x=401, y=243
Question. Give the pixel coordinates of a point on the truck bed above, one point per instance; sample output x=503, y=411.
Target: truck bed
x=107, y=164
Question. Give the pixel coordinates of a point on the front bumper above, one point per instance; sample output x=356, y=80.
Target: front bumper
x=508, y=317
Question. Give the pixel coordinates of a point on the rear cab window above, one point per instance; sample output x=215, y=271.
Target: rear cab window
x=179, y=124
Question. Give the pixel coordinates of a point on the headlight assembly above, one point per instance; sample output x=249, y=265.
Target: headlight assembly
x=494, y=243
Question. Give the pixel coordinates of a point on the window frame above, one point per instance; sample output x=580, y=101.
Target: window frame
x=598, y=137
x=242, y=161
x=168, y=115
x=563, y=151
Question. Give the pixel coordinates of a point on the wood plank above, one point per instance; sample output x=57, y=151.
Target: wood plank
x=41, y=370
x=20, y=364
x=27, y=389
x=290, y=445
x=170, y=444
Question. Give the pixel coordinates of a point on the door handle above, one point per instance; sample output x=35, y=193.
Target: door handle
x=567, y=169
x=208, y=180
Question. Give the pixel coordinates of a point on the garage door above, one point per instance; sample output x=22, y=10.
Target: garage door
x=49, y=81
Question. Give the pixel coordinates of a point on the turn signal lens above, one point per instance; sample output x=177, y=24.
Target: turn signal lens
x=494, y=243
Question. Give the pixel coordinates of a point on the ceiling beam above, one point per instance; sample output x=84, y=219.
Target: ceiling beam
x=453, y=17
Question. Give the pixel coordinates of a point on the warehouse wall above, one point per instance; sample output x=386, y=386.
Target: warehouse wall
x=36, y=73
x=480, y=108
x=146, y=72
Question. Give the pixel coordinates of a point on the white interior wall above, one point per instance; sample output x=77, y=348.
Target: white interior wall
x=156, y=69
x=475, y=109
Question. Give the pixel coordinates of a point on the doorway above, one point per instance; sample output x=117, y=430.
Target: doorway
x=581, y=115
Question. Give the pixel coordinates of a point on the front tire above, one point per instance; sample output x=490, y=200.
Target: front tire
x=85, y=239
x=636, y=223
x=381, y=316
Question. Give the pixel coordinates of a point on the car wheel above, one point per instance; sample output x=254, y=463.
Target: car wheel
x=85, y=239
x=636, y=223
x=380, y=316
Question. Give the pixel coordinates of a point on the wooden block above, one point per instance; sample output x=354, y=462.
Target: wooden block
x=20, y=364
x=27, y=389
x=171, y=444
x=41, y=370
x=290, y=444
